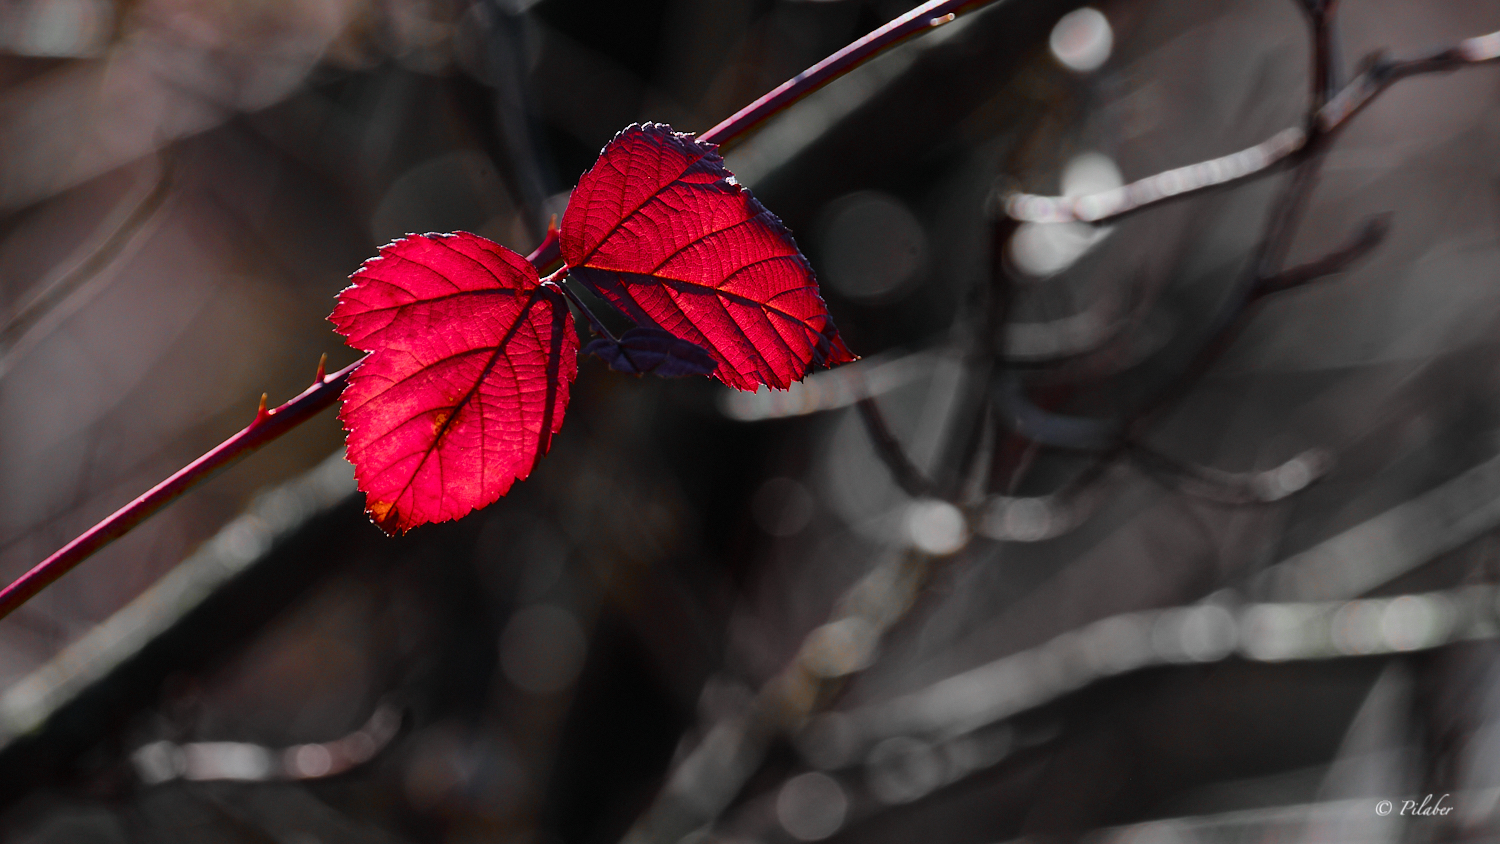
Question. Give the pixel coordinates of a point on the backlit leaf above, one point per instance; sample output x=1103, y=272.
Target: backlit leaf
x=660, y=229
x=467, y=380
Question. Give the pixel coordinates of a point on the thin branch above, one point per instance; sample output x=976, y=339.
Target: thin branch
x=1369, y=236
x=1010, y=518
x=927, y=16
x=1044, y=427
x=1281, y=226
x=962, y=725
x=708, y=778
x=1204, y=632
x=1236, y=167
x=1235, y=488
x=267, y=426
x=903, y=471
x=18, y=327
x=162, y=761
x=831, y=389
x=1256, y=161
x=1325, y=71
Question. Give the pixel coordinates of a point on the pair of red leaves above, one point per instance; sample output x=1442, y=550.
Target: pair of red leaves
x=472, y=352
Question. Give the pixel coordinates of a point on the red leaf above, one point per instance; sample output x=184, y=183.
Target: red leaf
x=662, y=231
x=467, y=380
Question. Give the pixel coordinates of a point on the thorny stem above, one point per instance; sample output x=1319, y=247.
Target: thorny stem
x=267, y=426
x=927, y=16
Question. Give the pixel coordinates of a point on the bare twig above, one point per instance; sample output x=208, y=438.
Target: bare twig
x=1011, y=518
x=903, y=471
x=1236, y=488
x=1261, y=159
x=19, y=329
x=708, y=778
x=1325, y=75
x=1281, y=226
x=1252, y=162
x=1369, y=236
x=940, y=723
x=162, y=761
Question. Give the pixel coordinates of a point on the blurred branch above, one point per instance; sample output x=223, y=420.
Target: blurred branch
x=1392, y=543
x=227, y=587
x=162, y=761
x=1224, y=487
x=67, y=288
x=903, y=749
x=1252, y=162
x=1047, y=428
x=1280, y=228
x=1325, y=75
x=903, y=471
x=829, y=390
x=1370, y=235
x=1010, y=518
x=1105, y=321
x=1256, y=161
x=525, y=162
x=957, y=706
x=709, y=777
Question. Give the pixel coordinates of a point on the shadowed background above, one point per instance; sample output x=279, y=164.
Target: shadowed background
x=185, y=185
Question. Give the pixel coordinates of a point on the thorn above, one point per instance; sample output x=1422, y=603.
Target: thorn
x=322, y=369
x=552, y=225
x=261, y=413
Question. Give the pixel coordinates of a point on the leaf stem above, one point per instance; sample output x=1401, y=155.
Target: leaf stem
x=927, y=16
x=267, y=426
x=559, y=279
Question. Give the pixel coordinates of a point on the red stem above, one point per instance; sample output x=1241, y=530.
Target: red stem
x=268, y=425
x=932, y=14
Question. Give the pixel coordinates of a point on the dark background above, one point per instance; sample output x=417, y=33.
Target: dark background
x=186, y=184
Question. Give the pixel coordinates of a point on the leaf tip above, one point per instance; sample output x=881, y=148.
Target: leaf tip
x=385, y=515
